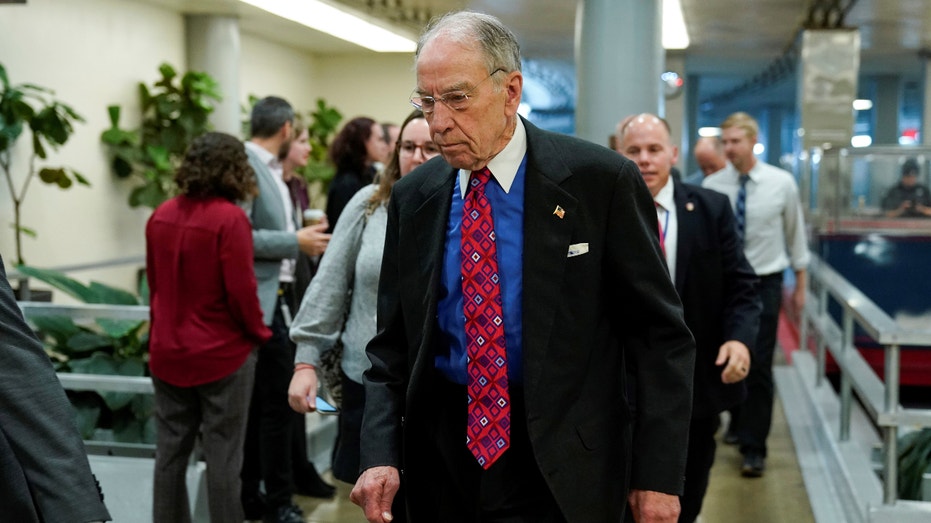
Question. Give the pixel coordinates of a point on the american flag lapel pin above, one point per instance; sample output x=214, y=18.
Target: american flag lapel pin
x=689, y=206
x=559, y=212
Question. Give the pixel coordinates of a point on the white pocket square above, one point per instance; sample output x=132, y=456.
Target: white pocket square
x=577, y=249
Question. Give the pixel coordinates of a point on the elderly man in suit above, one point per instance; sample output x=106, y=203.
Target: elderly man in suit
x=277, y=239
x=521, y=277
x=717, y=286
x=44, y=473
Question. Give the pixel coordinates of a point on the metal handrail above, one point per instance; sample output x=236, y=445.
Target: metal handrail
x=880, y=397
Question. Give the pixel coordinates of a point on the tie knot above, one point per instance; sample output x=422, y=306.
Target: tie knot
x=743, y=178
x=479, y=178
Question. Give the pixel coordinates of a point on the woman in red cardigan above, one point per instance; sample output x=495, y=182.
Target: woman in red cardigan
x=205, y=324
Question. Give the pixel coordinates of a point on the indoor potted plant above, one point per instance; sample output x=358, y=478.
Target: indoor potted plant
x=50, y=123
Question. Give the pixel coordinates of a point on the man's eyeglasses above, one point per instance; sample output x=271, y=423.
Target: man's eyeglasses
x=455, y=100
x=428, y=149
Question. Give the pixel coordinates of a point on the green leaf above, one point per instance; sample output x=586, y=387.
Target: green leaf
x=118, y=328
x=150, y=195
x=114, y=112
x=87, y=407
x=3, y=78
x=51, y=176
x=37, y=148
x=61, y=282
x=26, y=230
x=159, y=157
x=121, y=167
x=103, y=293
x=128, y=429
x=88, y=341
x=59, y=328
x=80, y=178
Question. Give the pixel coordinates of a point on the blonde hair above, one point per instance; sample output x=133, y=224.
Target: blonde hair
x=743, y=121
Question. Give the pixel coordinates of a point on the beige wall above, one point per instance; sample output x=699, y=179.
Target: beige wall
x=374, y=85
x=93, y=53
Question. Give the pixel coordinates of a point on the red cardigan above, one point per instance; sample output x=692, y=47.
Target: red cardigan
x=205, y=314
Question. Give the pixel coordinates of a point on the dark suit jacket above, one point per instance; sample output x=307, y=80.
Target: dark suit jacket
x=44, y=473
x=585, y=317
x=718, y=289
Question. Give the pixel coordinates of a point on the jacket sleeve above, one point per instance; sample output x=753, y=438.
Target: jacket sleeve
x=38, y=424
x=320, y=319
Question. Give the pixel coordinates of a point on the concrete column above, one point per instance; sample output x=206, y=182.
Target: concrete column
x=675, y=108
x=926, y=101
x=619, y=58
x=773, y=135
x=213, y=47
x=827, y=85
x=886, y=110
x=690, y=131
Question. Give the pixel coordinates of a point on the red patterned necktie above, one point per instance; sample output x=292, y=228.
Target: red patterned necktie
x=489, y=427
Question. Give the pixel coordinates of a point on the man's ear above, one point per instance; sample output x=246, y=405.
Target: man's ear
x=285, y=131
x=513, y=87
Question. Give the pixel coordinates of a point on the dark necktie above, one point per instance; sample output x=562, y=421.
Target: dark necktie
x=662, y=232
x=488, y=434
x=740, y=209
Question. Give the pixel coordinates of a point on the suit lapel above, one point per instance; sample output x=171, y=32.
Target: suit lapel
x=546, y=242
x=686, y=221
x=430, y=220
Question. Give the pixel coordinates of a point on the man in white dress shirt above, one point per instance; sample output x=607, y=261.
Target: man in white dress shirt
x=769, y=218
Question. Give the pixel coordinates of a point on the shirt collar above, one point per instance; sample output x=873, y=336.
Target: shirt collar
x=664, y=196
x=267, y=158
x=505, y=164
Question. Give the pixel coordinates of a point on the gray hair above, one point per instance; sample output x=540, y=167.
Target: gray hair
x=494, y=40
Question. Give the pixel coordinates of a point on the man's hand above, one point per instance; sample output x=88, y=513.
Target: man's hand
x=312, y=240
x=374, y=492
x=648, y=506
x=302, y=393
x=737, y=357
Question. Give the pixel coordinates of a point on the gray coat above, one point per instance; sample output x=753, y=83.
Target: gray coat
x=271, y=239
x=44, y=473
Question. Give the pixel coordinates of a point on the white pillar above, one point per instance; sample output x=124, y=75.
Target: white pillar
x=619, y=59
x=213, y=47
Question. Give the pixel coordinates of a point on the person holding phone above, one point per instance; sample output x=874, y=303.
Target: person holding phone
x=339, y=306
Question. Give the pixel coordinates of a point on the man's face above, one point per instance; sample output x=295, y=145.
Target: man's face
x=470, y=137
x=909, y=180
x=738, y=147
x=646, y=142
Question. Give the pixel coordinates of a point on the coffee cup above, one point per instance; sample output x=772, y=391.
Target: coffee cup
x=313, y=217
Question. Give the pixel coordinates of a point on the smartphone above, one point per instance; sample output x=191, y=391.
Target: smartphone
x=325, y=407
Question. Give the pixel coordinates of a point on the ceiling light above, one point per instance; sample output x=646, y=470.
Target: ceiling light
x=675, y=34
x=861, y=104
x=709, y=131
x=338, y=22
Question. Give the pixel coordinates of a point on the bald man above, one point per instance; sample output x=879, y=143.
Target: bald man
x=717, y=287
x=709, y=153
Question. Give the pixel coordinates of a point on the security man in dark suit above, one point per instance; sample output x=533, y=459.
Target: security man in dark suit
x=511, y=405
x=717, y=286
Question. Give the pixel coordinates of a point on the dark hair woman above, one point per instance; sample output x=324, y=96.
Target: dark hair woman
x=351, y=267
x=354, y=151
x=205, y=323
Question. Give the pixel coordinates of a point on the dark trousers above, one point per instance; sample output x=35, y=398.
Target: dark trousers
x=512, y=490
x=269, y=435
x=754, y=416
x=702, y=448
x=348, y=439
x=217, y=411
